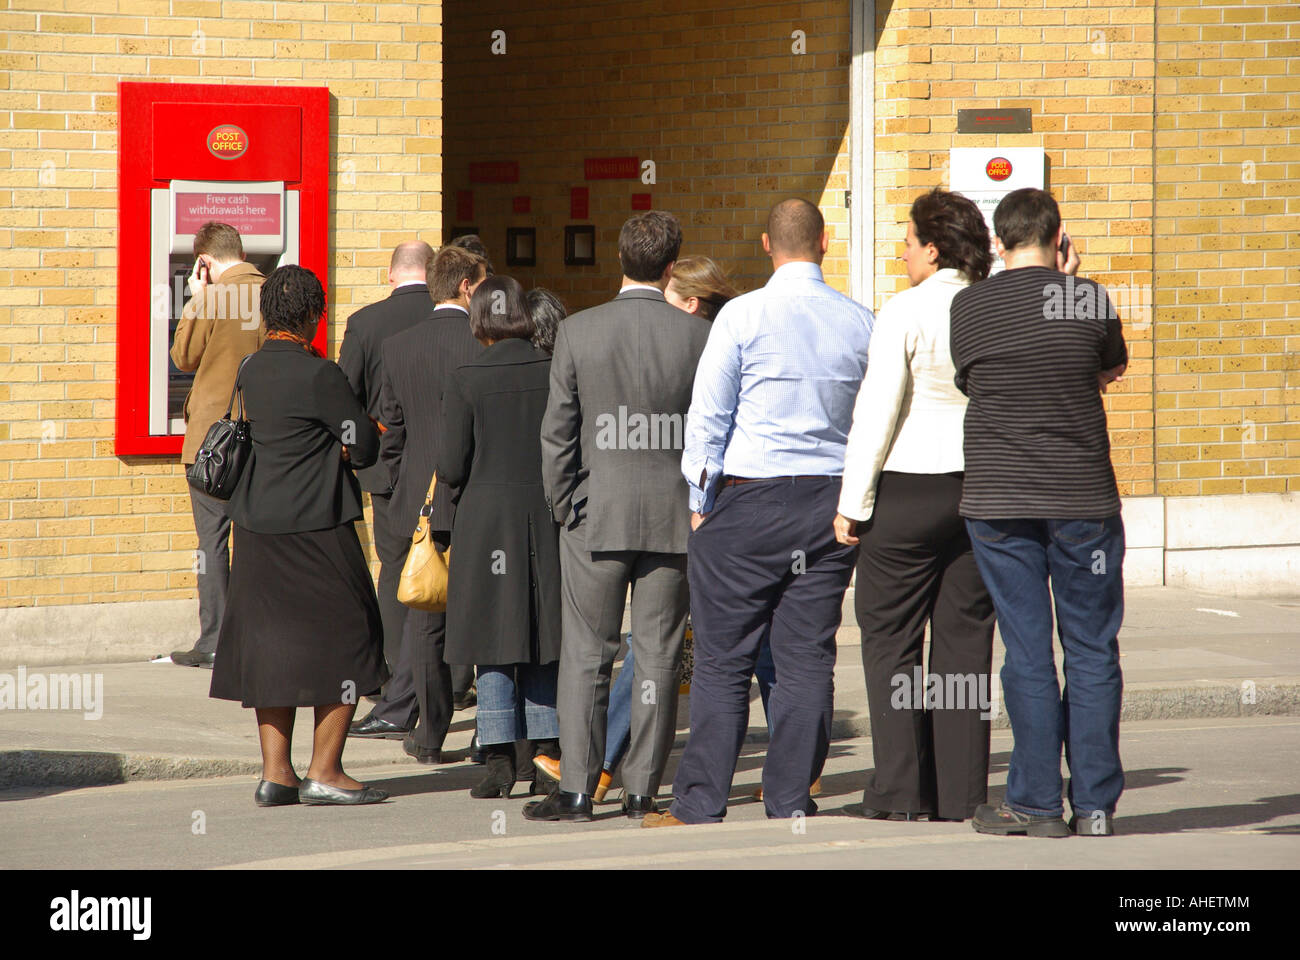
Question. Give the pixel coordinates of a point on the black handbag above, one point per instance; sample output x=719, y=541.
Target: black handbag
x=225, y=450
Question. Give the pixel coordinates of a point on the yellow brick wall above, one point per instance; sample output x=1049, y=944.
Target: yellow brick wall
x=78, y=524
x=712, y=91
x=1227, y=247
x=1085, y=70
x=1166, y=122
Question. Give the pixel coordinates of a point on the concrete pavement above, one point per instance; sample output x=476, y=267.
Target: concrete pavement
x=1200, y=794
x=1184, y=654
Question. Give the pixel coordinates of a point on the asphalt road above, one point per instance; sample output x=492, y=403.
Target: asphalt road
x=1218, y=794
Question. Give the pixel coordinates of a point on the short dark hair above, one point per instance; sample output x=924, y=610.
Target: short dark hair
x=795, y=228
x=1027, y=217
x=219, y=240
x=292, y=300
x=956, y=227
x=448, y=269
x=647, y=243
x=498, y=311
x=547, y=311
x=474, y=244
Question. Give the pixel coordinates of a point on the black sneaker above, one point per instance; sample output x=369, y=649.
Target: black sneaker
x=1099, y=823
x=1003, y=821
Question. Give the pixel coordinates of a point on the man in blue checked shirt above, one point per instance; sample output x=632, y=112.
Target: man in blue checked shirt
x=765, y=438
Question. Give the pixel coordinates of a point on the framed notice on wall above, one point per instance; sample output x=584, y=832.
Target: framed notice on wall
x=987, y=174
x=580, y=246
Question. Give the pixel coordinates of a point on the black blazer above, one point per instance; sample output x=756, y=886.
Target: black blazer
x=301, y=410
x=503, y=598
x=417, y=364
x=360, y=356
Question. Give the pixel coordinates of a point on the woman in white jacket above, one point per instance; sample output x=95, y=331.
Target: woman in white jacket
x=902, y=483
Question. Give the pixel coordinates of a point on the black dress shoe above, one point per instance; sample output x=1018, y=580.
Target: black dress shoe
x=421, y=754
x=321, y=794
x=463, y=701
x=270, y=794
x=636, y=805
x=560, y=805
x=193, y=658
x=373, y=728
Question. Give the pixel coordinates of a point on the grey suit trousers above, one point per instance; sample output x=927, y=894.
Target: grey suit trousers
x=594, y=588
x=213, y=577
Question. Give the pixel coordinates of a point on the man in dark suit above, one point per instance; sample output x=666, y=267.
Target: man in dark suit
x=359, y=356
x=415, y=367
x=611, y=450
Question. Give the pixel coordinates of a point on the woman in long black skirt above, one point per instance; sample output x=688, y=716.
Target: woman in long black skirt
x=301, y=626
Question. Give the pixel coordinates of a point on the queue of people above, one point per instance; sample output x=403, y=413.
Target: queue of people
x=731, y=458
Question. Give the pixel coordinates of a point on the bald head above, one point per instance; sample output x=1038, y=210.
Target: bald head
x=794, y=231
x=409, y=263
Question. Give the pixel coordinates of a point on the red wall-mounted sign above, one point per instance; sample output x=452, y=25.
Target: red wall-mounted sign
x=465, y=205
x=249, y=213
x=640, y=201
x=231, y=134
x=579, y=203
x=494, y=171
x=611, y=168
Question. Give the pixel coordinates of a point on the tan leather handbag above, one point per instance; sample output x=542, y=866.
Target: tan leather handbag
x=423, y=585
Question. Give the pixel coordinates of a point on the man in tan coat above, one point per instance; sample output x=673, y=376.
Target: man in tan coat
x=221, y=324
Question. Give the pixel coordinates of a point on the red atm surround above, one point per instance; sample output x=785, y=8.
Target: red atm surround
x=168, y=133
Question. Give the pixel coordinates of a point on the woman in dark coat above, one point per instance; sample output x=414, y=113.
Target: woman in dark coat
x=503, y=594
x=301, y=626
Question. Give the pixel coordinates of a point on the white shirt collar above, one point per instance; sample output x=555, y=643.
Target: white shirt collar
x=640, y=286
x=451, y=306
x=408, y=283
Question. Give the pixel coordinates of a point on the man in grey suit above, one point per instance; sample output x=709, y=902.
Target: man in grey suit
x=621, y=380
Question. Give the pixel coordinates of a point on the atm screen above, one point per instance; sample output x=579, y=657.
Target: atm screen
x=178, y=383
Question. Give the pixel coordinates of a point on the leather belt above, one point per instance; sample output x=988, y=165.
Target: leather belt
x=736, y=481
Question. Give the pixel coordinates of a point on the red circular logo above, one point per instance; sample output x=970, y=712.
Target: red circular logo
x=999, y=168
x=227, y=141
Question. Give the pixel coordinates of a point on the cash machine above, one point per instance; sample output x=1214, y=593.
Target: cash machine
x=255, y=157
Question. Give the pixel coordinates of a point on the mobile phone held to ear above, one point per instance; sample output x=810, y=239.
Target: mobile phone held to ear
x=1065, y=245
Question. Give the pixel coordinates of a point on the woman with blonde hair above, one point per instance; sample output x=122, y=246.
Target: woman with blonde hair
x=699, y=286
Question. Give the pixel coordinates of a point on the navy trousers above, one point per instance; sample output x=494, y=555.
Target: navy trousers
x=765, y=563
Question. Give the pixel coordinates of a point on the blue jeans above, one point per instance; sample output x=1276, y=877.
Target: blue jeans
x=1084, y=561
x=619, y=721
x=516, y=701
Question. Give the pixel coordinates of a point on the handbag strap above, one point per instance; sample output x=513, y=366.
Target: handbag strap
x=235, y=390
x=427, y=509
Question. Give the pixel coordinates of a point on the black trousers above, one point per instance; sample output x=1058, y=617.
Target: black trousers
x=400, y=703
x=425, y=640
x=391, y=544
x=764, y=564
x=929, y=728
